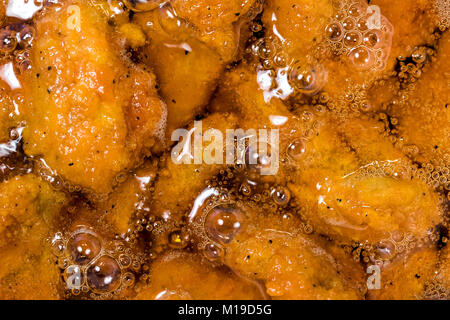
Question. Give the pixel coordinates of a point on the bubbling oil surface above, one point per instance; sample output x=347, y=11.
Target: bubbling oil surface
x=97, y=261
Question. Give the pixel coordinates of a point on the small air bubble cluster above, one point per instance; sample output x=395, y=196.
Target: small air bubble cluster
x=436, y=175
x=218, y=222
x=360, y=251
x=410, y=69
x=361, y=33
x=354, y=101
x=238, y=196
x=397, y=243
x=15, y=42
x=393, y=169
x=442, y=8
x=90, y=267
x=280, y=76
x=435, y=290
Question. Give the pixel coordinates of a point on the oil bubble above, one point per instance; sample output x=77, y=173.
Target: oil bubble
x=245, y=189
x=177, y=240
x=265, y=49
x=128, y=279
x=355, y=10
x=26, y=36
x=362, y=25
x=349, y=23
x=8, y=41
x=125, y=260
x=213, y=252
x=334, y=31
x=280, y=60
x=385, y=249
x=258, y=160
x=104, y=274
x=281, y=196
x=373, y=39
x=419, y=55
x=361, y=58
x=223, y=223
x=84, y=247
x=352, y=38
x=306, y=78
x=58, y=247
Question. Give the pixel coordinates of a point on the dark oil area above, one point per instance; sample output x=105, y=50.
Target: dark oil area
x=88, y=187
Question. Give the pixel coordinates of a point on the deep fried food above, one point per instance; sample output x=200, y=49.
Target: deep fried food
x=410, y=30
x=291, y=265
x=119, y=209
x=299, y=149
x=424, y=117
x=189, y=44
x=175, y=198
x=364, y=190
x=443, y=275
x=91, y=113
x=169, y=281
x=353, y=183
x=28, y=207
x=406, y=277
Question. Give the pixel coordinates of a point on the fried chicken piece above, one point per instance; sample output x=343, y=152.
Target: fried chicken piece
x=189, y=44
x=28, y=207
x=187, y=74
x=131, y=196
x=217, y=22
x=414, y=23
x=289, y=263
x=168, y=281
x=406, y=277
x=178, y=185
x=353, y=183
x=299, y=25
x=240, y=93
x=424, y=119
x=91, y=113
x=443, y=275
x=356, y=185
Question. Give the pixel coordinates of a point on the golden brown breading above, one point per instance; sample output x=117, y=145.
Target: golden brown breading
x=131, y=196
x=356, y=90
x=168, y=280
x=424, y=119
x=28, y=207
x=354, y=184
x=443, y=274
x=189, y=44
x=290, y=264
x=187, y=70
x=357, y=186
x=7, y=114
x=406, y=277
x=414, y=23
x=178, y=185
x=91, y=113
